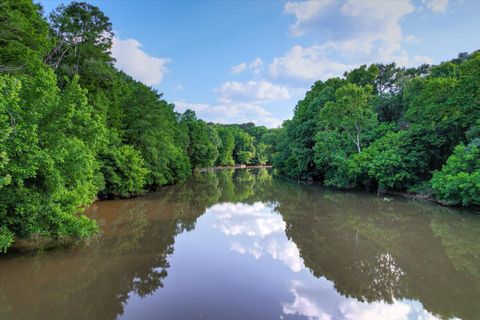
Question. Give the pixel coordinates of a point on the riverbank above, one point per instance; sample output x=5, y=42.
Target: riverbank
x=408, y=195
x=234, y=167
x=429, y=198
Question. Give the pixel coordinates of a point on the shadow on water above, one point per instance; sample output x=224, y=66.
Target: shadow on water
x=370, y=248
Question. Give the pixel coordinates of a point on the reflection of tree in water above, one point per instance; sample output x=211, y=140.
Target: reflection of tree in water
x=369, y=248
x=384, y=274
x=460, y=237
x=384, y=250
x=131, y=256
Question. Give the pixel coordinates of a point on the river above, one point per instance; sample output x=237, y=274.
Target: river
x=240, y=244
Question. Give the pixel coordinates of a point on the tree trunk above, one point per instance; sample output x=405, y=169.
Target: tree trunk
x=357, y=141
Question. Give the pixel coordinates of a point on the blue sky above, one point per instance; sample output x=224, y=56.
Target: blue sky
x=239, y=61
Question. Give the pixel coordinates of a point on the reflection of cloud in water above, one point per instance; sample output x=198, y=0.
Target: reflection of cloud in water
x=264, y=231
x=318, y=300
x=255, y=220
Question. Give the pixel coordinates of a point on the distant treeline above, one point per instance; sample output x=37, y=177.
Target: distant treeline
x=73, y=128
x=386, y=128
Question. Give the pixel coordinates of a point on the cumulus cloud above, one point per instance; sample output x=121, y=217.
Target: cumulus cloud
x=436, y=5
x=241, y=102
x=348, y=33
x=252, y=91
x=256, y=66
x=308, y=63
x=134, y=61
x=231, y=112
x=305, y=13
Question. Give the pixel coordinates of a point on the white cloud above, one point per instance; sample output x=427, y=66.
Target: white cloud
x=348, y=33
x=305, y=12
x=256, y=66
x=252, y=91
x=255, y=220
x=436, y=5
x=412, y=39
x=261, y=230
x=134, y=61
x=231, y=112
x=310, y=63
x=318, y=300
x=238, y=68
x=181, y=106
x=179, y=87
x=241, y=102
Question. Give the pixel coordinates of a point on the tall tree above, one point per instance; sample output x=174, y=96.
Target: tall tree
x=24, y=36
x=350, y=113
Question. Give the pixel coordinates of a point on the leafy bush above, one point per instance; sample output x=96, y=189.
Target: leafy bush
x=459, y=180
x=387, y=161
x=6, y=239
x=124, y=171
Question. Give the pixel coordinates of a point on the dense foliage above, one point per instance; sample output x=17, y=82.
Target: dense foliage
x=73, y=128
x=388, y=128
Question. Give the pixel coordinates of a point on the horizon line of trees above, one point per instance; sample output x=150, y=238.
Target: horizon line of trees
x=73, y=128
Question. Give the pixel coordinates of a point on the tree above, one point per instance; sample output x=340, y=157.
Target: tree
x=350, y=113
x=388, y=163
x=332, y=149
x=24, y=36
x=203, y=141
x=244, y=148
x=84, y=33
x=225, y=152
x=363, y=75
x=295, y=151
x=52, y=170
x=124, y=171
x=153, y=133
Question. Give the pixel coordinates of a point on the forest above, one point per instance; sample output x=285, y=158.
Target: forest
x=73, y=128
x=388, y=128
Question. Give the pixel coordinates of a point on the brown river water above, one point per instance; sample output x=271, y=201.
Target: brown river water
x=240, y=244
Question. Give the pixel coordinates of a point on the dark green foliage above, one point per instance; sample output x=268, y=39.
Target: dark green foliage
x=387, y=163
x=459, y=180
x=295, y=157
x=225, y=152
x=84, y=37
x=350, y=113
x=24, y=36
x=203, y=140
x=335, y=135
x=153, y=134
x=244, y=151
x=364, y=75
x=245, y=144
x=124, y=171
x=52, y=171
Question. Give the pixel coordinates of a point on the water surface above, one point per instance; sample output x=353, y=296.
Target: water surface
x=238, y=244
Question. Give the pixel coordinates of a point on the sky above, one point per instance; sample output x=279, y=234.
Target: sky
x=242, y=61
